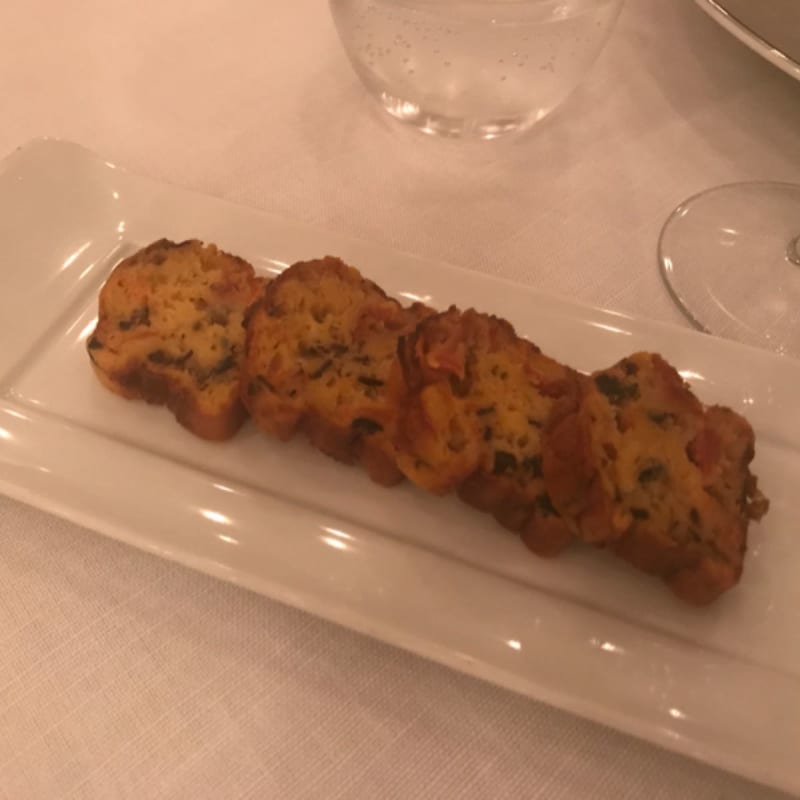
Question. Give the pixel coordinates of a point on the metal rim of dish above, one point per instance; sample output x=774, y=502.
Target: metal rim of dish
x=749, y=37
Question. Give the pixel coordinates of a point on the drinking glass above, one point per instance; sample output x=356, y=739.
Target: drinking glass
x=472, y=68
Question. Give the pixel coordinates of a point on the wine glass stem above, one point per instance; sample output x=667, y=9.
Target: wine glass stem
x=793, y=250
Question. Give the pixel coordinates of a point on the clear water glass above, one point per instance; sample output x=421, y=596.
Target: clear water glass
x=473, y=68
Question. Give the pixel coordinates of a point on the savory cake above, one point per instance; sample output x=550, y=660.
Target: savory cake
x=473, y=398
x=169, y=331
x=320, y=347
x=637, y=464
x=626, y=459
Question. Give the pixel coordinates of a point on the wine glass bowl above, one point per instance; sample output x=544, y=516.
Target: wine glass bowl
x=730, y=258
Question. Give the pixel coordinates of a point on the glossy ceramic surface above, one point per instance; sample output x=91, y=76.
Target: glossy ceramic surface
x=583, y=632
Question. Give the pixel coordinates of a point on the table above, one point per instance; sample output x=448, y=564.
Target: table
x=124, y=676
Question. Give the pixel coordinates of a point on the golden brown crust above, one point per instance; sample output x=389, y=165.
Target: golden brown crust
x=635, y=461
x=474, y=399
x=320, y=346
x=627, y=459
x=170, y=332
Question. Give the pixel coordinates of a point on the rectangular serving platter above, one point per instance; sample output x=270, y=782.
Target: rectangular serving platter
x=583, y=632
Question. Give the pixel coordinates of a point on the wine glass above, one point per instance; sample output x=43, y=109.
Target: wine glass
x=730, y=257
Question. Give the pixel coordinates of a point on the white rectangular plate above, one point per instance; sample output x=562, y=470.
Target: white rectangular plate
x=584, y=632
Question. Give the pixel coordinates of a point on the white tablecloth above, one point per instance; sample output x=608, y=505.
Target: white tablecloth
x=123, y=676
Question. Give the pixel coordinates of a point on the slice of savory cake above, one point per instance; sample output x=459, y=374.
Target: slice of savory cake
x=320, y=348
x=473, y=398
x=636, y=462
x=169, y=331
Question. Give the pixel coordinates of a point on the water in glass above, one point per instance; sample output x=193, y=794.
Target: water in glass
x=472, y=67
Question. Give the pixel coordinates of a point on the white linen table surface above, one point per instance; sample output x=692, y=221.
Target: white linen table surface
x=125, y=676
